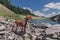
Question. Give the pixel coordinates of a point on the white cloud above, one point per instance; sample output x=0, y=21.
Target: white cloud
x=38, y=13
x=52, y=6
x=52, y=14
x=46, y=9
x=28, y=8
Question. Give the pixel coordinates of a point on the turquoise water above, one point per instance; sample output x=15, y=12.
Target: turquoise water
x=45, y=21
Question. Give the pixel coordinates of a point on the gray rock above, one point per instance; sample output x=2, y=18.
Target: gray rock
x=53, y=29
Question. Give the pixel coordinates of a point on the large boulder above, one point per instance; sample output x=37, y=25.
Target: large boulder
x=2, y=18
x=53, y=29
x=2, y=29
x=47, y=24
x=41, y=26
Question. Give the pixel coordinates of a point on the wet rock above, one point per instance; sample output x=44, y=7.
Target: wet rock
x=42, y=26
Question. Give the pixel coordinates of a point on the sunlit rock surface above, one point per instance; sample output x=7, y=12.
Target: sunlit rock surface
x=43, y=31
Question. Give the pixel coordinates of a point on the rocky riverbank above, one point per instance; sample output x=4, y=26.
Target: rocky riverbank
x=43, y=31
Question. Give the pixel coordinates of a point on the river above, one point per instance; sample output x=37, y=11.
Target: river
x=45, y=21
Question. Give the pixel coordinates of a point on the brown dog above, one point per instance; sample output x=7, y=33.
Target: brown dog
x=23, y=23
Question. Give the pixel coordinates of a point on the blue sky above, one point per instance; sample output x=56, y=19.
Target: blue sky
x=38, y=5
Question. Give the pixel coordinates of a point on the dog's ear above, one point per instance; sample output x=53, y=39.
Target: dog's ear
x=29, y=17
